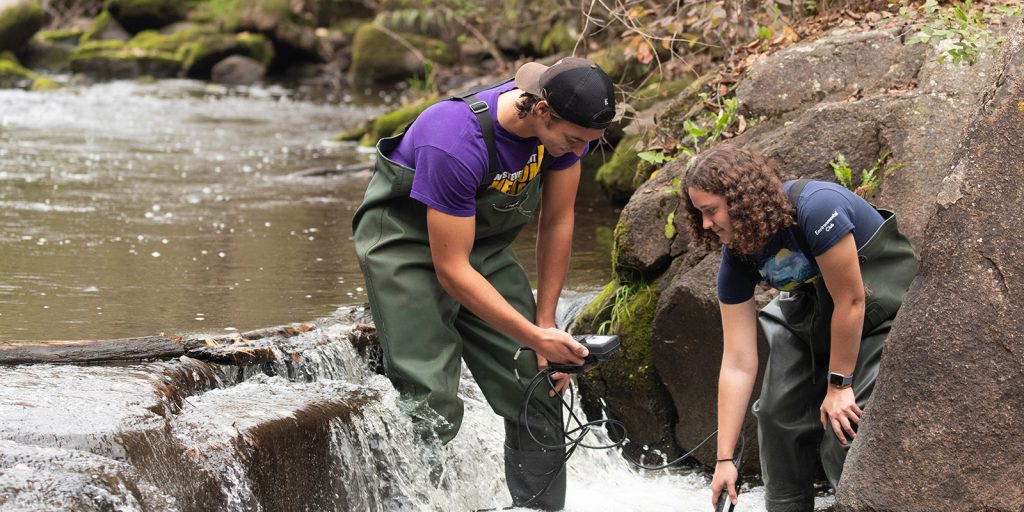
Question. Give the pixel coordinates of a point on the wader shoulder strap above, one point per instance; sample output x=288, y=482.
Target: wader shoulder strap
x=794, y=195
x=483, y=116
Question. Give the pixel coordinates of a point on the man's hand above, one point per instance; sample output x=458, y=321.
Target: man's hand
x=558, y=346
x=841, y=412
x=561, y=380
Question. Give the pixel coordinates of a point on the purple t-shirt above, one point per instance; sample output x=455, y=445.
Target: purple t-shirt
x=446, y=148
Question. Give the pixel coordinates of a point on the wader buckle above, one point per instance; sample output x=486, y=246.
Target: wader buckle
x=478, y=107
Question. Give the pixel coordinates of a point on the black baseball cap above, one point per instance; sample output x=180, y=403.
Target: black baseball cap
x=578, y=90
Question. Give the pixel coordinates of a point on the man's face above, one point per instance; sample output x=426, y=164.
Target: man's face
x=561, y=137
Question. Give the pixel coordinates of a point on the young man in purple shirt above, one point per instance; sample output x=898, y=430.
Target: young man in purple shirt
x=434, y=235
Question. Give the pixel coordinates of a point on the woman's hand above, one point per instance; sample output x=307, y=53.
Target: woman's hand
x=841, y=412
x=724, y=481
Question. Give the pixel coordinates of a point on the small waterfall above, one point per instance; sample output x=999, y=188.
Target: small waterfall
x=313, y=430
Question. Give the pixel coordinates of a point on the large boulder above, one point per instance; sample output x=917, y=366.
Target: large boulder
x=651, y=230
x=19, y=20
x=380, y=56
x=138, y=15
x=113, y=60
x=942, y=429
x=629, y=383
x=843, y=63
x=904, y=103
x=686, y=342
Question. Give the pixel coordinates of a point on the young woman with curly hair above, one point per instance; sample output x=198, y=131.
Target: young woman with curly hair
x=842, y=267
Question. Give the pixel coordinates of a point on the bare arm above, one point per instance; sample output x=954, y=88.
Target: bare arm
x=735, y=384
x=451, y=241
x=554, y=239
x=841, y=271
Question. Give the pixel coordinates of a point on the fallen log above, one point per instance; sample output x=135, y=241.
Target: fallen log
x=88, y=351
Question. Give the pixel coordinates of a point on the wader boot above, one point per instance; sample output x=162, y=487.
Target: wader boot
x=535, y=475
x=798, y=328
x=425, y=333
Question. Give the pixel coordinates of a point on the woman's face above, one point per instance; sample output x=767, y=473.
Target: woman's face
x=714, y=211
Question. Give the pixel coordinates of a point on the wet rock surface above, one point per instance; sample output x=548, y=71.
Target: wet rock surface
x=273, y=422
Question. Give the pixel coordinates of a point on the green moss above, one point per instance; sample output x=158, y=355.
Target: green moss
x=13, y=75
x=597, y=311
x=622, y=70
x=616, y=175
x=659, y=91
x=257, y=47
x=118, y=50
x=378, y=56
x=99, y=25
x=18, y=23
x=199, y=48
x=60, y=36
x=633, y=367
x=557, y=39
x=351, y=135
x=42, y=83
x=393, y=122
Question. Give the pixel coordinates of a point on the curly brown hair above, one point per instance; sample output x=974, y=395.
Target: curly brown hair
x=752, y=188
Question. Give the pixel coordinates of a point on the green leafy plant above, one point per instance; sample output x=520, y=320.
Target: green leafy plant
x=960, y=31
x=870, y=179
x=620, y=306
x=655, y=157
x=708, y=131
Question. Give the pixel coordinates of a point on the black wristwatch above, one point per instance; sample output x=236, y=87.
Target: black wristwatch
x=839, y=380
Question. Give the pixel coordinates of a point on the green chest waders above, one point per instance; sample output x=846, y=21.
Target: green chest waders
x=425, y=333
x=798, y=328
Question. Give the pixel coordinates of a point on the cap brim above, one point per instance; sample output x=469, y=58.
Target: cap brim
x=528, y=78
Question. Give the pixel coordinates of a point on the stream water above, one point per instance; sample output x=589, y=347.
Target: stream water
x=130, y=209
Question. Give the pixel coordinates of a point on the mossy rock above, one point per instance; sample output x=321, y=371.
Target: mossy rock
x=617, y=176
x=14, y=76
x=118, y=60
x=622, y=70
x=42, y=83
x=657, y=91
x=44, y=54
x=198, y=49
x=629, y=382
x=395, y=121
x=19, y=22
x=70, y=37
x=378, y=58
x=138, y=15
x=557, y=39
x=597, y=311
x=105, y=28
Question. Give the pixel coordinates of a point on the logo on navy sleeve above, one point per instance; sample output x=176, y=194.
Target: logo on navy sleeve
x=828, y=224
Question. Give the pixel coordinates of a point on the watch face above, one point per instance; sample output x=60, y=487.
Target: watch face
x=840, y=380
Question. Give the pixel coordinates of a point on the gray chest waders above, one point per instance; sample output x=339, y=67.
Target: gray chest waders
x=798, y=328
x=424, y=332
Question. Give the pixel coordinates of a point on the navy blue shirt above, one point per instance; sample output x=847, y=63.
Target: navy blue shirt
x=825, y=213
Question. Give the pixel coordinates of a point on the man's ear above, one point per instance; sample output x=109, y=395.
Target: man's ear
x=542, y=108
